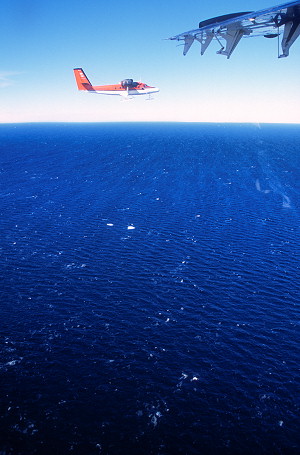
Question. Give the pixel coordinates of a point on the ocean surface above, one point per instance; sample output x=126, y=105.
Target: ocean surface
x=149, y=289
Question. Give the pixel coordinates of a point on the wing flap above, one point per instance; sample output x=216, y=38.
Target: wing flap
x=188, y=41
x=232, y=37
x=205, y=39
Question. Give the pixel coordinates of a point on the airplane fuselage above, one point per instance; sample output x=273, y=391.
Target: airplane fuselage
x=126, y=88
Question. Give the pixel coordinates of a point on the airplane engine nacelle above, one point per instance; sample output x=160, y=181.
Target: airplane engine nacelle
x=128, y=83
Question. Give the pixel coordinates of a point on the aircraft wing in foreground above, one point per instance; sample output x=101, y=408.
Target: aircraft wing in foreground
x=126, y=88
x=230, y=28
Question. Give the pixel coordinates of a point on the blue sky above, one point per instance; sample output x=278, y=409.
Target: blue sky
x=42, y=41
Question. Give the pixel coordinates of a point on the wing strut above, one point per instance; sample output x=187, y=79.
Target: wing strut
x=291, y=22
x=290, y=34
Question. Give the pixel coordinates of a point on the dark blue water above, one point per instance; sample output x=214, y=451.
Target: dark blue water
x=149, y=289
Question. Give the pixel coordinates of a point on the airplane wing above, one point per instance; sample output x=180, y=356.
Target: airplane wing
x=230, y=28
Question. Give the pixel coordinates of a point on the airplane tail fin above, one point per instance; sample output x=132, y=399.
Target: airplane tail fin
x=82, y=81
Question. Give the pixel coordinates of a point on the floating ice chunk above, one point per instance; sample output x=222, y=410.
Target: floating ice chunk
x=109, y=224
x=13, y=363
x=130, y=227
x=280, y=423
x=194, y=378
x=153, y=420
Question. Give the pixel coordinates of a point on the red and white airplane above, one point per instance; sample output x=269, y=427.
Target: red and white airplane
x=126, y=88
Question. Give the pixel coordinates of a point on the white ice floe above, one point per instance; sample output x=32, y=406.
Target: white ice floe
x=131, y=227
x=109, y=224
x=13, y=362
